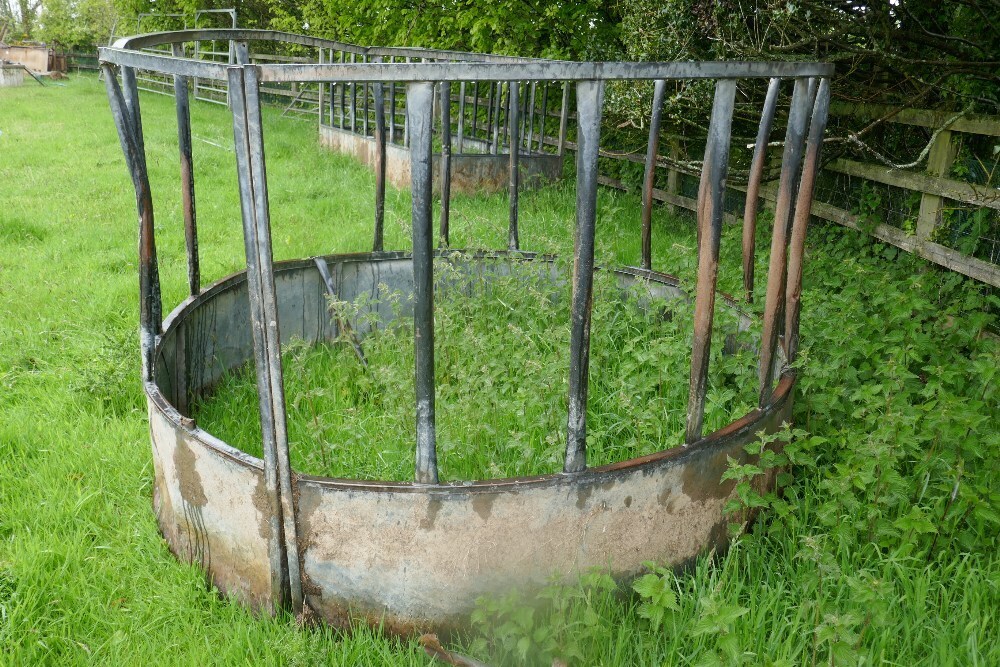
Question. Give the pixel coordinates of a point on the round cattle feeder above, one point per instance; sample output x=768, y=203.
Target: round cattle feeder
x=415, y=556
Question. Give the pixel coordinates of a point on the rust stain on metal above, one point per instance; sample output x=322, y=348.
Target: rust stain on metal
x=188, y=480
x=482, y=503
x=703, y=479
x=262, y=504
x=433, y=507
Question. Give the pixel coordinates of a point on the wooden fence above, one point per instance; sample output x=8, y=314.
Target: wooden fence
x=936, y=190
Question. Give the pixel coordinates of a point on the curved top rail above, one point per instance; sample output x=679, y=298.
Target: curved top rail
x=147, y=40
x=467, y=66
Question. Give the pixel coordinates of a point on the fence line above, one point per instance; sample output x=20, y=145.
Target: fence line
x=932, y=185
x=918, y=234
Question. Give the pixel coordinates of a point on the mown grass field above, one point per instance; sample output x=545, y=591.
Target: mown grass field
x=882, y=548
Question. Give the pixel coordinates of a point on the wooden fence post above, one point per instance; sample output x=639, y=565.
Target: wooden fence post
x=673, y=176
x=938, y=163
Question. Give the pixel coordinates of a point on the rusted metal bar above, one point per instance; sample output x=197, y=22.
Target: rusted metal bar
x=187, y=175
x=461, y=117
x=711, y=195
x=589, y=100
x=563, y=118
x=753, y=186
x=149, y=318
x=783, y=211
x=130, y=89
x=249, y=142
x=652, y=150
x=276, y=545
x=445, y=160
x=513, y=240
x=255, y=137
x=378, y=242
x=803, y=206
x=419, y=112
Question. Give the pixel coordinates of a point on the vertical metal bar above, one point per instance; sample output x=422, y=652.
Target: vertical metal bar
x=531, y=116
x=652, y=150
x=496, y=117
x=589, y=100
x=803, y=209
x=276, y=546
x=711, y=194
x=322, y=87
x=130, y=90
x=334, y=87
x=392, y=109
x=563, y=118
x=487, y=131
x=149, y=316
x=406, y=119
x=354, y=98
x=461, y=117
x=475, y=109
x=187, y=175
x=130, y=94
x=420, y=118
x=241, y=51
x=542, y=118
x=505, y=130
x=343, y=91
x=249, y=142
x=673, y=176
x=377, y=244
x=753, y=186
x=513, y=100
x=364, y=121
x=445, y=160
x=783, y=211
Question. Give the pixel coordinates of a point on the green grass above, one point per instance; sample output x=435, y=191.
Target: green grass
x=882, y=548
x=502, y=362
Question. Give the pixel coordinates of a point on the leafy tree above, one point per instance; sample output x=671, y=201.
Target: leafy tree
x=19, y=17
x=916, y=53
x=543, y=28
x=77, y=23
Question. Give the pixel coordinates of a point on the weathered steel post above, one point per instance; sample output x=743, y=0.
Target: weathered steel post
x=589, y=100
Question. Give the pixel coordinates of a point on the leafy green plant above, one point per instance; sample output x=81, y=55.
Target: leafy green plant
x=659, y=597
x=869, y=207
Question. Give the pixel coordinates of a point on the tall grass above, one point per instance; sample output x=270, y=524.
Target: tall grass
x=502, y=360
x=882, y=547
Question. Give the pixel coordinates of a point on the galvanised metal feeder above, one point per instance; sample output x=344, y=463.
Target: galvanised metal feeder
x=417, y=555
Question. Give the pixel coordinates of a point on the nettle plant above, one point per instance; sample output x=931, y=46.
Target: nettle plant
x=886, y=480
x=501, y=365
